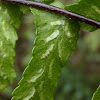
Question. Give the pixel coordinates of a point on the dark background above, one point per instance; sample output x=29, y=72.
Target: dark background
x=81, y=75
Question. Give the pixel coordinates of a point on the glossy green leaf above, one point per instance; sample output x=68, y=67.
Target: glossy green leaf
x=56, y=39
x=88, y=8
x=9, y=21
x=96, y=95
x=47, y=1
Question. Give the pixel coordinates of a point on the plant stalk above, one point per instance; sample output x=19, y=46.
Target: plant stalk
x=56, y=10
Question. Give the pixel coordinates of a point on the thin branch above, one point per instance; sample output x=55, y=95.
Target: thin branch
x=56, y=10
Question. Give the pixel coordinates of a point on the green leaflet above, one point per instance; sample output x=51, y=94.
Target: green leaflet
x=9, y=22
x=96, y=95
x=56, y=39
x=47, y=1
x=88, y=8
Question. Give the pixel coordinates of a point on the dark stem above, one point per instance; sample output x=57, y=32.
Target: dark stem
x=56, y=10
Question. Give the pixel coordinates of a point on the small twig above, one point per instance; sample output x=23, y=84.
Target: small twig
x=56, y=10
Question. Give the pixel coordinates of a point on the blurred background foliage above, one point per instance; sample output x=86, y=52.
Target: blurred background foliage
x=81, y=75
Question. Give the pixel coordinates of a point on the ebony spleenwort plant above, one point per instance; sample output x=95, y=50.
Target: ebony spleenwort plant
x=56, y=39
